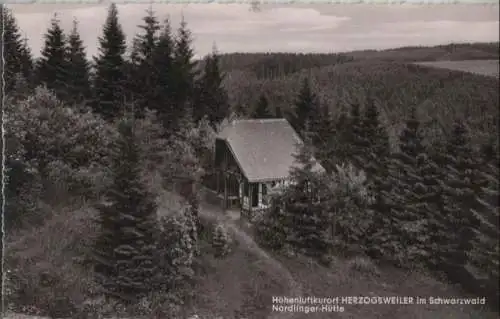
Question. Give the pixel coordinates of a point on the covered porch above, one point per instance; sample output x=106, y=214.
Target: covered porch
x=235, y=192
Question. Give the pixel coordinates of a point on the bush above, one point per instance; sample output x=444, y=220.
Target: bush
x=54, y=152
x=47, y=274
x=221, y=241
x=363, y=265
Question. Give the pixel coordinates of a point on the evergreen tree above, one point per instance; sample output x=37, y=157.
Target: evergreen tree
x=310, y=230
x=407, y=170
x=110, y=77
x=461, y=187
x=262, y=110
x=352, y=136
x=212, y=99
x=52, y=67
x=322, y=129
x=305, y=107
x=125, y=247
x=161, y=99
x=336, y=145
x=78, y=83
x=373, y=157
x=143, y=73
x=485, y=253
x=16, y=54
x=374, y=143
x=184, y=73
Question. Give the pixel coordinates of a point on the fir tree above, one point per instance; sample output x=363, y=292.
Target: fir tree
x=322, y=129
x=262, y=109
x=125, y=247
x=485, y=253
x=110, y=69
x=352, y=136
x=336, y=149
x=305, y=107
x=161, y=99
x=212, y=99
x=374, y=143
x=461, y=186
x=184, y=73
x=143, y=73
x=310, y=232
x=408, y=193
x=52, y=67
x=78, y=84
x=16, y=54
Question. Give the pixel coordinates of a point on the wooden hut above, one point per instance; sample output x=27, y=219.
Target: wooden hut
x=251, y=157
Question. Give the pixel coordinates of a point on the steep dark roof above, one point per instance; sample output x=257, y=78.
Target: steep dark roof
x=263, y=148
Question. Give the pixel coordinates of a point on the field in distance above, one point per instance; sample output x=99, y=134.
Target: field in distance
x=482, y=67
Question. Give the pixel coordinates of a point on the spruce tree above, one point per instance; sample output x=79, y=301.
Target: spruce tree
x=337, y=145
x=485, y=254
x=212, y=99
x=352, y=137
x=461, y=187
x=52, y=67
x=373, y=157
x=183, y=83
x=407, y=169
x=310, y=232
x=16, y=54
x=143, y=73
x=125, y=248
x=78, y=83
x=262, y=109
x=374, y=143
x=322, y=129
x=110, y=77
x=161, y=99
x=305, y=107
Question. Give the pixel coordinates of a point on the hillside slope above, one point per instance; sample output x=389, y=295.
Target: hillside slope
x=441, y=95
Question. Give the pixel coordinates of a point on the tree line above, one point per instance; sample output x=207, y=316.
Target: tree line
x=159, y=74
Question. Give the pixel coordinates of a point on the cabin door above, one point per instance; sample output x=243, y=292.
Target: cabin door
x=255, y=194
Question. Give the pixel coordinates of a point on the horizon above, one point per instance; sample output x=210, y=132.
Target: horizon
x=235, y=28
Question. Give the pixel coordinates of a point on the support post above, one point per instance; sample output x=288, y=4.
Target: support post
x=225, y=192
x=250, y=200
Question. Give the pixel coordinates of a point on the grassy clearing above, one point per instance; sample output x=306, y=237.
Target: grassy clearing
x=482, y=67
x=240, y=285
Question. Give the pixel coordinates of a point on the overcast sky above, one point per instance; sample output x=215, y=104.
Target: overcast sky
x=291, y=28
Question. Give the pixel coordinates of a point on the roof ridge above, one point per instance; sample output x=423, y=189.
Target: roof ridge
x=260, y=120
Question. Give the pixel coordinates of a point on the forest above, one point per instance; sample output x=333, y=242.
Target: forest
x=106, y=157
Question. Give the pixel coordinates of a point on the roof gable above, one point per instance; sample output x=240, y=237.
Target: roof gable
x=264, y=148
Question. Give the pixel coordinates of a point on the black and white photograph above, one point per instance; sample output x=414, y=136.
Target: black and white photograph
x=250, y=160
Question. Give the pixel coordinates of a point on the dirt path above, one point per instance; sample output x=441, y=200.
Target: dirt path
x=295, y=290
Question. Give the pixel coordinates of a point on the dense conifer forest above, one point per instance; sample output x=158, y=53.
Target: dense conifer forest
x=106, y=157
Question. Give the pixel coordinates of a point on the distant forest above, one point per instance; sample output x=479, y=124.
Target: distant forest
x=419, y=145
